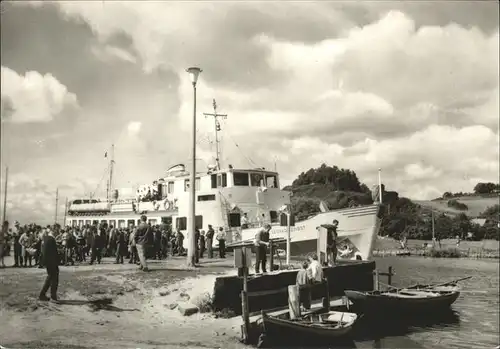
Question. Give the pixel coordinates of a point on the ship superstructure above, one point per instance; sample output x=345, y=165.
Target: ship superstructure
x=223, y=197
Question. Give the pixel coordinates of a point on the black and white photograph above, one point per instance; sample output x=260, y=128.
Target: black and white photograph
x=250, y=174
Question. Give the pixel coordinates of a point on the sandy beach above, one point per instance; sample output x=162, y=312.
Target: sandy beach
x=140, y=315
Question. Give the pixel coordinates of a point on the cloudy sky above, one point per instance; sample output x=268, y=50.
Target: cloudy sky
x=412, y=88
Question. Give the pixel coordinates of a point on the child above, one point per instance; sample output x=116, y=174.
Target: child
x=302, y=279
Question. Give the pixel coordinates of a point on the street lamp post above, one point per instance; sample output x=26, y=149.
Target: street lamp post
x=194, y=72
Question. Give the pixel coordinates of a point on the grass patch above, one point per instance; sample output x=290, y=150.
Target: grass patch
x=443, y=253
x=224, y=314
x=204, y=302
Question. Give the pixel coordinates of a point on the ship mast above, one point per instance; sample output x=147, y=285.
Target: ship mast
x=111, y=163
x=65, y=212
x=217, y=130
x=57, y=203
x=5, y=194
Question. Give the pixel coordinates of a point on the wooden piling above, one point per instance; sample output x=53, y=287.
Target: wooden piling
x=389, y=276
x=244, y=300
x=271, y=257
x=326, y=305
x=376, y=281
x=294, y=301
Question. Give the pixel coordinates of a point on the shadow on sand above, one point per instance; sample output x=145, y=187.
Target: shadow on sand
x=96, y=305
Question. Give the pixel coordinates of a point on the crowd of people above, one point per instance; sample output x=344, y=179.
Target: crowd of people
x=53, y=246
x=90, y=243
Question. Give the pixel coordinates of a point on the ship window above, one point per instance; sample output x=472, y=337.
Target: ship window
x=234, y=220
x=206, y=197
x=256, y=179
x=274, y=216
x=130, y=223
x=170, y=187
x=181, y=223
x=95, y=222
x=74, y=223
x=167, y=220
x=213, y=179
x=80, y=223
x=152, y=221
x=121, y=223
x=88, y=222
x=271, y=181
x=113, y=223
x=198, y=222
x=104, y=221
x=240, y=179
x=196, y=183
x=222, y=180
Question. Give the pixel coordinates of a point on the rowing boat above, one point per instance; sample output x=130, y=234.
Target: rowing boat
x=314, y=327
x=404, y=300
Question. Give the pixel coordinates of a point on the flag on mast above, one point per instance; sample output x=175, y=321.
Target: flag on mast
x=106, y=154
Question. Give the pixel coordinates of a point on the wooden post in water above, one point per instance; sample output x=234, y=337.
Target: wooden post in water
x=326, y=302
x=271, y=257
x=244, y=298
x=294, y=301
x=376, y=281
x=389, y=276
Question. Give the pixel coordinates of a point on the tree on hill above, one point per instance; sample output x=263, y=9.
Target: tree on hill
x=340, y=188
x=338, y=178
x=486, y=188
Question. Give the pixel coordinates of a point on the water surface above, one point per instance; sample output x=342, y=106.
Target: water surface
x=474, y=319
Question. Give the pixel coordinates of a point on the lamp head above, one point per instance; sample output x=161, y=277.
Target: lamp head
x=194, y=72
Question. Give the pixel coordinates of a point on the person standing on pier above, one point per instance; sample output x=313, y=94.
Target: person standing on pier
x=141, y=241
x=50, y=259
x=210, y=240
x=221, y=237
x=261, y=244
x=331, y=242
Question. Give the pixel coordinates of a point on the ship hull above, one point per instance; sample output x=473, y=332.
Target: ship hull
x=357, y=230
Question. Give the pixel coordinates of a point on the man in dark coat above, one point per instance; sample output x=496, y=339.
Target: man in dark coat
x=121, y=246
x=96, y=247
x=50, y=259
x=197, y=246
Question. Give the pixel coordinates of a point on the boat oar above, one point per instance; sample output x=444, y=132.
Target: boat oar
x=450, y=282
x=431, y=286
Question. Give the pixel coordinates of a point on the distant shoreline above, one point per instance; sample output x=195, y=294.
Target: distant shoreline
x=438, y=253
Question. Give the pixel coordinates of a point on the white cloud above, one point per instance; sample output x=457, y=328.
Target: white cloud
x=33, y=97
x=108, y=53
x=419, y=101
x=134, y=127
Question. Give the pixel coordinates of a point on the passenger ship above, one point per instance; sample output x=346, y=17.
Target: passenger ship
x=223, y=196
